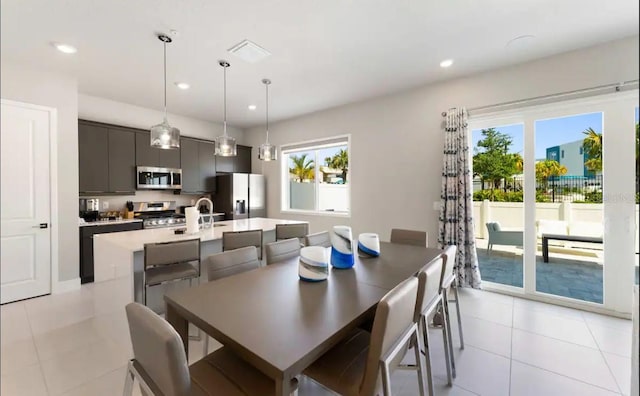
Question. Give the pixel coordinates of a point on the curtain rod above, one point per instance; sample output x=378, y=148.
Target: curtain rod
x=617, y=86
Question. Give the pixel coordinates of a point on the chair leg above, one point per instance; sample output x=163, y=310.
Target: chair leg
x=419, y=362
x=197, y=337
x=386, y=380
x=144, y=295
x=128, y=382
x=206, y=345
x=448, y=322
x=455, y=291
x=447, y=358
x=423, y=331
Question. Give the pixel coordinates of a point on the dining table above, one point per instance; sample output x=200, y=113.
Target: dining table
x=281, y=324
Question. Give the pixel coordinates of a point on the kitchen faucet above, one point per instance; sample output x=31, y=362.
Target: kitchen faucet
x=208, y=223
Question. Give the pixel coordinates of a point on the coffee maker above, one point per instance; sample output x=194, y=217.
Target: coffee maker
x=89, y=209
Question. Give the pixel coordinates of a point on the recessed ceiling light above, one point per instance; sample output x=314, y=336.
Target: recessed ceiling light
x=446, y=63
x=66, y=48
x=182, y=85
x=252, y=107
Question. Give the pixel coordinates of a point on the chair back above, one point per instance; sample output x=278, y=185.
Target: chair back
x=288, y=231
x=429, y=280
x=232, y=262
x=394, y=318
x=158, y=351
x=449, y=257
x=409, y=237
x=237, y=239
x=318, y=239
x=282, y=250
x=168, y=253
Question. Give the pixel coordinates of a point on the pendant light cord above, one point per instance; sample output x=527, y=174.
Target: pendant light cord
x=165, y=80
x=225, y=100
x=267, y=112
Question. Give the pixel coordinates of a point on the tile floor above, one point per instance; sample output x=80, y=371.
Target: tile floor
x=78, y=344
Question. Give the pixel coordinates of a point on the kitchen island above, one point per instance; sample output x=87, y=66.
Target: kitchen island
x=121, y=254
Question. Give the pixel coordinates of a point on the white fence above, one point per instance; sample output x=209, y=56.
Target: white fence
x=330, y=196
x=511, y=214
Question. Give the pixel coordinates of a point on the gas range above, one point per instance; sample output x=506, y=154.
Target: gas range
x=158, y=214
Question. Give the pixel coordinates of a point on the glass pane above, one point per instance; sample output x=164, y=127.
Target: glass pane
x=637, y=118
x=569, y=211
x=333, y=177
x=498, y=202
x=302, y=186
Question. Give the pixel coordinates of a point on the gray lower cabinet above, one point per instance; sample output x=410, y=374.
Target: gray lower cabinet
x=122, y=161
x=198, y=163
x=86, y=244
x=93, y=158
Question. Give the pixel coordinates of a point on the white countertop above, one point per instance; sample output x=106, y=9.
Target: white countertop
x=134, y=241
x=108, y=222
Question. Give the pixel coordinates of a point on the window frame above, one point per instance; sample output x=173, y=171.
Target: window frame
x=313, y=145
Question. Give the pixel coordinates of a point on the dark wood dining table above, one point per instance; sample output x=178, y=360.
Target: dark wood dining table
x=281, y=324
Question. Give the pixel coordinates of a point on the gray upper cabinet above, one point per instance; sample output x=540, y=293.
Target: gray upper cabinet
x=93, y=158
x=151, y=156
x=122, y=161
x=243, y=160
x=198, y=163
x=168, y=158
x=225, y=164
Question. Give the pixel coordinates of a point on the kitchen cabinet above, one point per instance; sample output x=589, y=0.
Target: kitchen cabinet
x=241, y=163
x=93, y=158
x=151, y=156
x=198, y=163
x=122, y=161
x=86, y=244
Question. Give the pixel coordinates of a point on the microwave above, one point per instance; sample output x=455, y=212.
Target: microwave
x=151, y=178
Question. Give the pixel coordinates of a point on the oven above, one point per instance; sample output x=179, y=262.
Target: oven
x=151, y=178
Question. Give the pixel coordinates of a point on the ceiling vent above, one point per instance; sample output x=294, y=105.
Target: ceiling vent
x=249, y=51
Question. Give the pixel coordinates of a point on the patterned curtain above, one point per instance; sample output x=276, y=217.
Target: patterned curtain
x=456, y=211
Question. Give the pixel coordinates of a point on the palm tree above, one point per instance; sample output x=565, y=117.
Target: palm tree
x=548, y=168
x=593, y=147
x=339, y=161
x=303, y=167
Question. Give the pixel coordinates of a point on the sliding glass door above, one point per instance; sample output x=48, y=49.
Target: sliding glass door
x=555, y=200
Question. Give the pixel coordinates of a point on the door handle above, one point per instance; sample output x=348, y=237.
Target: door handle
x=41, y=225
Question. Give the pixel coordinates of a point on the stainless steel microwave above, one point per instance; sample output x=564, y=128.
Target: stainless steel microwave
x=151, y=178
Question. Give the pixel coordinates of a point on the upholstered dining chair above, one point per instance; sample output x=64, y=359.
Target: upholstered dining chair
x=288, y=231
x=169, y=262
x=318, y=239
x=409, y=237
x=237, y=239
x=449, y=280
x=229, y=263
x=282, y=250
x=363, y=362
x=161, y=368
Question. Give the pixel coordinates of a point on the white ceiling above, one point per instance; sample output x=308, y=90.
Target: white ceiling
x=325, y=52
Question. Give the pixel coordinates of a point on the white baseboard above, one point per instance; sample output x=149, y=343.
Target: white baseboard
x=66, y=286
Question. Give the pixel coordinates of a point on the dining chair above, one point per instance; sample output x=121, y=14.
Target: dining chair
x=363, y=361
x=409, y=237
x=282, y=250
x=450, y=280
x=236, y=239
x=229, y=263
x=288, y=231
x=318, y=239
x=166, y=262
x=160, y=364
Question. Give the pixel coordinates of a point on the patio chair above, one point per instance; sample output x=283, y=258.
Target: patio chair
x=498, y=236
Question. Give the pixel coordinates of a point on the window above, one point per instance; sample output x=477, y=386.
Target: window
x=581, y=150
x=316, y=176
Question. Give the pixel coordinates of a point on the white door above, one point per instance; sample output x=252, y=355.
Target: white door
x=25, y=260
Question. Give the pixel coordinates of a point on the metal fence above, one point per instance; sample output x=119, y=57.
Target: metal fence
x=554, y=189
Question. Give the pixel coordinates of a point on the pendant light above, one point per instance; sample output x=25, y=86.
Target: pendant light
x=225, y=144
x=267, y=151
x=163, y=135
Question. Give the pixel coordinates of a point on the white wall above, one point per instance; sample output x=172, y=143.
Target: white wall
x=44, y=88
x=397, y=140
x=109, y=111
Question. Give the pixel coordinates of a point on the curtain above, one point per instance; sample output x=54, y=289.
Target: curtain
x=456, y=210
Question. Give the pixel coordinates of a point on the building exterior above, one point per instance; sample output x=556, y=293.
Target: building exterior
x=572, y=156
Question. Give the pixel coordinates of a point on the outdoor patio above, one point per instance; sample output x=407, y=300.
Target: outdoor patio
x=568, y=275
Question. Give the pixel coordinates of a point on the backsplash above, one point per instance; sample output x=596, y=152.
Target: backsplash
x=117, y=202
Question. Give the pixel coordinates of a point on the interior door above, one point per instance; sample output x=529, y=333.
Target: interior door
x=25, y=260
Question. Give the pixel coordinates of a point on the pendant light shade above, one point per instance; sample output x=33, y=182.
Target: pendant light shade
x=225, y=144
x=163, y=135
x=267, y=151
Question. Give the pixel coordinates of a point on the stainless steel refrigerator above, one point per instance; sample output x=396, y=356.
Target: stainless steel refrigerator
x=240, y=196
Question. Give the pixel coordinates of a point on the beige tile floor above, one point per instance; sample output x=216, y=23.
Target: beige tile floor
x=77, y=343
